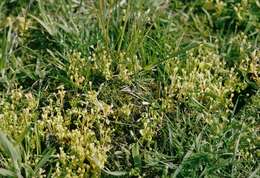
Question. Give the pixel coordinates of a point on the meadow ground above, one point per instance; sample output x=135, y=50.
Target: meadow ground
x=129, y=88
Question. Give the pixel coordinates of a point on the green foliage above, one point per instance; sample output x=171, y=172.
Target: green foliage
x=140, y=88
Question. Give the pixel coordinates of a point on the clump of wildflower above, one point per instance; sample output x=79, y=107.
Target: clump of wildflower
x=19, y=24
x=204, y=80
x=102, y=62
x=77, y=67
x=17, y=111
x=127, y=66
x=217, y=6
x=151, y=121
x=83, y=131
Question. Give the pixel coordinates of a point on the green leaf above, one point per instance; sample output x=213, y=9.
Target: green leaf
x=12, y=151
x=48, y=27
x=115, y=173
x=5, y=172
x=136, y=155
x=28, y=170
x=46, y=157
x=8, y=147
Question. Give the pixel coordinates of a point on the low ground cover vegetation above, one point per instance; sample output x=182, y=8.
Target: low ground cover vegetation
x=129, y=88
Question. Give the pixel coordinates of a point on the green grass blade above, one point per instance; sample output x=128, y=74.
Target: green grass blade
x=6, y=173
x=46, y=158
x=7, y=146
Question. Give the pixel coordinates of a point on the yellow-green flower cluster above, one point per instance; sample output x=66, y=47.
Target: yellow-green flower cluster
x=17, y=111
x=19, y=24
x=152, y=122
x=205, y=81
x=77, y=65
x=127, y=66
x=217, y=5
x=83, y=131
x=102, y=62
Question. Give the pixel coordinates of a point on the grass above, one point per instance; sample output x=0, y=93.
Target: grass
x=129, y=88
